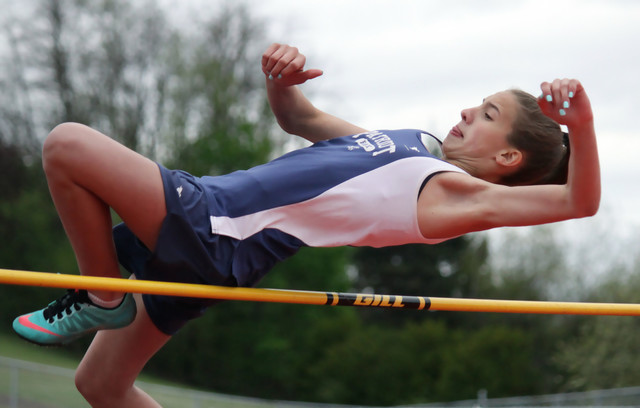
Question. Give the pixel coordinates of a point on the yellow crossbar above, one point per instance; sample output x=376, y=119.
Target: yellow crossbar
x=27, y=278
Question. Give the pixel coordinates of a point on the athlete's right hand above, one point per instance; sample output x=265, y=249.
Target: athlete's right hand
x=284, y=65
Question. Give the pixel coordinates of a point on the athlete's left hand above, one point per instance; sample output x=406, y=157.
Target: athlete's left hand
x=566, y=102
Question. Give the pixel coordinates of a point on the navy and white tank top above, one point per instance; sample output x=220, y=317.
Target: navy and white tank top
x=358, y=190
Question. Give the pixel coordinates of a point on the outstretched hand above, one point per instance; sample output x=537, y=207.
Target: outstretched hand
x=566, y=102
x=284, y=65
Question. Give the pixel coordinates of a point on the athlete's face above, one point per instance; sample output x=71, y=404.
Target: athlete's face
x=480, y=138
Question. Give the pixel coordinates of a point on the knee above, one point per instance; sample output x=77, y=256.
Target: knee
x=88, y=386
x=62, y=144
x=94, y=390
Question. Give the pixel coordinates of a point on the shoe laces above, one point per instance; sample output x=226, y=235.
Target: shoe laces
x=68, y=303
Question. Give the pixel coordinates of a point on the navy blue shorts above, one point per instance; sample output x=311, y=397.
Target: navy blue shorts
x=186, y=251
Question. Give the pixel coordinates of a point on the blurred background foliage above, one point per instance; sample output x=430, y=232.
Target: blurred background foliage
x=194, y=99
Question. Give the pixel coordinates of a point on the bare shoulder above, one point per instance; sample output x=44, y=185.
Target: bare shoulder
x=450, y=186
x=445, y=203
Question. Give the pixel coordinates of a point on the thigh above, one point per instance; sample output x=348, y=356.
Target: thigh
x=126, y=181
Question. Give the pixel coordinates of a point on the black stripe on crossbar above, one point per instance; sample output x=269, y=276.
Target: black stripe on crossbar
x=373, y=300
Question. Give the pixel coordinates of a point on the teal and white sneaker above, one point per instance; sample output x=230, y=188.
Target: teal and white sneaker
x=72, y=316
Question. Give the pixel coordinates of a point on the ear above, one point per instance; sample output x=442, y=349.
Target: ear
x=509, y=158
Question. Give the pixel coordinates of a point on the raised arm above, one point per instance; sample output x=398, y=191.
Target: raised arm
x=454, y=203
x=283, y=67
x=583, y=185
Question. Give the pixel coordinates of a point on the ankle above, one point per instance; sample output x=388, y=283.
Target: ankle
x=110, y=301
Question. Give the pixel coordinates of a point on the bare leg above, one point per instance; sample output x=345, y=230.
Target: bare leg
x=107, y=372
x=87, y=174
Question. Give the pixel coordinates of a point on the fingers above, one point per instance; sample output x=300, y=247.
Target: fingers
x=285, y=65
x=557, y=95
x=279, y=60
x=566, y=102
x=267, y=58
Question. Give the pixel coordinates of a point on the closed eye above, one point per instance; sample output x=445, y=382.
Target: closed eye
x=487, y=106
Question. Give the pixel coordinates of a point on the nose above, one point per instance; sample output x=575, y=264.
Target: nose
x=467, y=115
